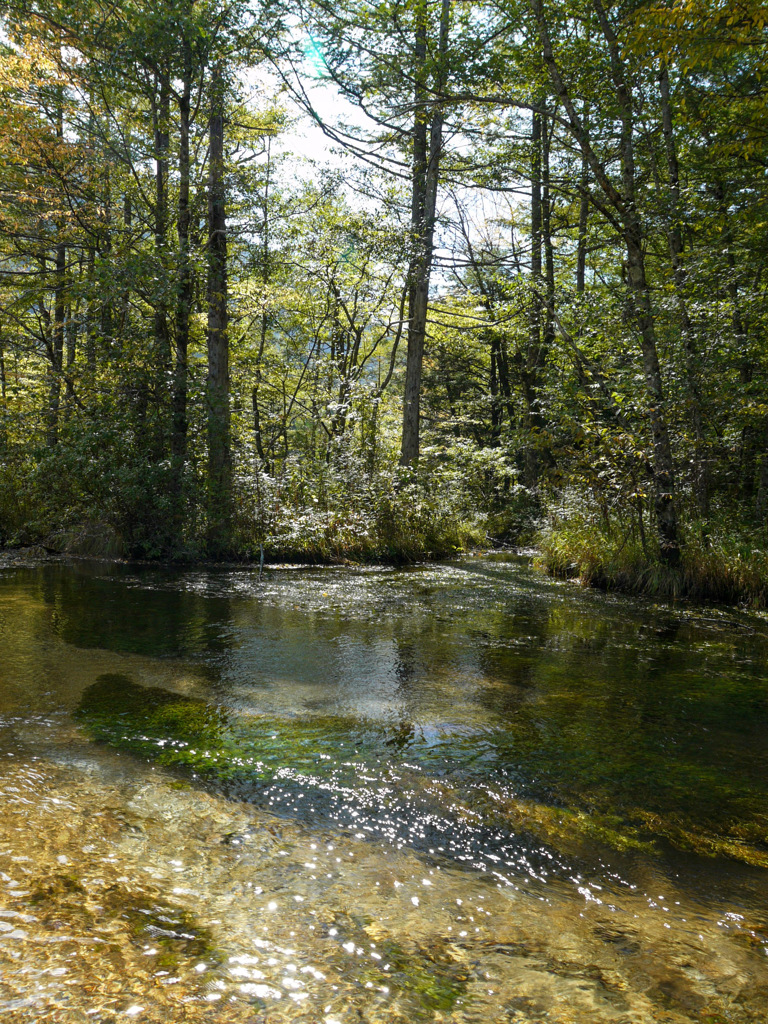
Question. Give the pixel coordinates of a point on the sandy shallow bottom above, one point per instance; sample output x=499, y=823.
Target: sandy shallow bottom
x=142, y=900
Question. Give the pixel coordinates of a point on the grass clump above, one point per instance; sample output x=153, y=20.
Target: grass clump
x=391, y=516
x=579, y=542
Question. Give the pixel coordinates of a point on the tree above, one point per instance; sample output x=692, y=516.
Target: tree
x=397, y=63
x=620, y=201
x=219, y=441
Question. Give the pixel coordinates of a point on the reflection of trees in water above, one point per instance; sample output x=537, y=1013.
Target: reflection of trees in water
x=509, y=655
x=620, y=713
x=408, y=671
x=406, y=665
x=96, y=608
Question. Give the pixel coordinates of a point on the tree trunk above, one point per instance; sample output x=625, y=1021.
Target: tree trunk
x=427, y=150
x=125, y=299
x=581, y=246
x=71, y=335
x=90, y=314
x=105, y=254
x=183, y=302
x=219, y=453
x=675, y=242
x=265, y=275
x=664, y=472
x=625, y=217
x=761, y=504
x=533, y=354
x=57, y=346
x=161, y=115
x=541, y=321
x=257, y=431
x=3, y=400
x=3, y=378
x=494, y=391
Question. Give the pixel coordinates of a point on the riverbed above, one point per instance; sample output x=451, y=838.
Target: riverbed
x=456, y=792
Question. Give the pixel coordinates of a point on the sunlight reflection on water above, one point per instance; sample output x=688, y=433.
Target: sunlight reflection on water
x=411, y=868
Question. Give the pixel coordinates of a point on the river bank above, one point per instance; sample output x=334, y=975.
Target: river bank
x=717, y=564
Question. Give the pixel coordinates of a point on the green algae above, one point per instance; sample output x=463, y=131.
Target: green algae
x=579, y=783
x=179, y=731
x=56, y=890
x=64, y=901
x=430, y=979
x=173, y=932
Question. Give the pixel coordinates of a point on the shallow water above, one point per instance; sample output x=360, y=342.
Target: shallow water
x=447, y=793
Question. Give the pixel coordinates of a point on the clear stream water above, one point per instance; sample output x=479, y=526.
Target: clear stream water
x=455, y=792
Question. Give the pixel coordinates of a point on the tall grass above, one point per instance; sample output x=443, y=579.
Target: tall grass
x=721, y=565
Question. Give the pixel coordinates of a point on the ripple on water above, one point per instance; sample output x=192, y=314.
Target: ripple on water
x=393, y=861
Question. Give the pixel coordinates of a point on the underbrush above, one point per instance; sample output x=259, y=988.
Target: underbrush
x=390, y=516
x=103, y=499
x=719, y=564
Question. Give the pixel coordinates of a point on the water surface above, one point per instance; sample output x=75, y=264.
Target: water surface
x=446, y=793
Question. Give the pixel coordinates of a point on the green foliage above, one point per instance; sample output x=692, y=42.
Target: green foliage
x=551, y=382
x=343, y=512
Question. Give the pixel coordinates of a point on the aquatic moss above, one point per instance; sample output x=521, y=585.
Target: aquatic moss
x=179, y=731
x=173, y=931
x=64, y=899
x=430, y=979
x=57, y=889
x=155, y=723
x=581, y=781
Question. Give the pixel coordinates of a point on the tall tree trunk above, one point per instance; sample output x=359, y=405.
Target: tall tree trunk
x=546, y=238
x=761, y=503
x=71, y=353
x=3, y=400
x=90, y=314
x=502, y=358
x=664, y=470
x=750, y=434
x=125, y=300
x=264, y=327
x=675, y=242
x=3, y=377
x=183, y=300
x=625, y=217
x=219, y=444
x=494, y=390
x=581, y=245
x=533, y=354
x=57, y=346
x=161, y=115
x=541, y=323
x=105, y=254
x=3, y=395
x=427, y=151
x=59, y=312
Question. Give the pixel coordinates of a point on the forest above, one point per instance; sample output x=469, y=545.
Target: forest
x=389, y=279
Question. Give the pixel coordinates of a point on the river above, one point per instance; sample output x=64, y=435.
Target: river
x=456, y=792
